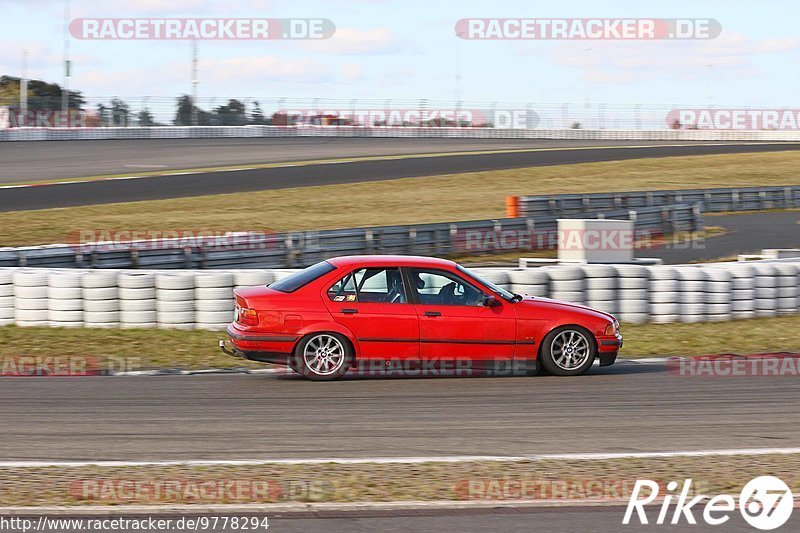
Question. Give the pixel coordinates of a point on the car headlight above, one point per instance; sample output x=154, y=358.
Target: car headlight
x=612, y=328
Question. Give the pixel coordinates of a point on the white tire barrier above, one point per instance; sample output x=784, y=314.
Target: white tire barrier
x=530, y=282
x=136, y=280
x=252, y=278
x=204, y=299
x=100, y=299
x=567, y=283
x=175, y=290
x=633, y=294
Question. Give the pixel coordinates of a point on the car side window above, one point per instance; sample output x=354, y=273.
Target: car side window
x=370, y=285
x=436, y=287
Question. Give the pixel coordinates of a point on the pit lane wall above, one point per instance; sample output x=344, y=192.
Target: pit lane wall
x=197, y=299
x=206, y=132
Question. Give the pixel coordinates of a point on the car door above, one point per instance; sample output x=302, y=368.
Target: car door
x=454, y=323
x=373, y=303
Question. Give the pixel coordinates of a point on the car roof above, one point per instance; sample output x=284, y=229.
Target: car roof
x=390, y=260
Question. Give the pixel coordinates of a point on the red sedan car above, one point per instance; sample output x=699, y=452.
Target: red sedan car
x=349, y=311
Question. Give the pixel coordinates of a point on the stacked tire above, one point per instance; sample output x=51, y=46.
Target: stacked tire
x=530, y=282
x=718, y=295
x=6, y=297
x=252, y=278
x=601, y=284
x=65, y=299
x=665, y=301
x=280, y=273
x=786, y=285
x=30, y=297
x=213, y=299
x=634, y=300
x=175, y=300
x=495, y=275
x=567, y=283
x=742, y=291
x=137, y=300
x=100, y=299
x=766, y=284
x=692, y=294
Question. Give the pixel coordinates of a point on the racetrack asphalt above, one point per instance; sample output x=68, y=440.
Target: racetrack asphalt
x=630, y=407
x=206, y=183
x=745, y=233
x=43, y=160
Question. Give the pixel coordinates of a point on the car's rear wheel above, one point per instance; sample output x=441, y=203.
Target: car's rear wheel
x=568, y=351
x=323, y=357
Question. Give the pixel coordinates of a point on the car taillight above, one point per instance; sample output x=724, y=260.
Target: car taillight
x=248, y=317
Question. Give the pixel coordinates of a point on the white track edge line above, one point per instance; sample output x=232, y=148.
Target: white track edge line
x=408, y=460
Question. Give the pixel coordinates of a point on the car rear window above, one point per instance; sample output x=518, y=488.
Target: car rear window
x=302, y=278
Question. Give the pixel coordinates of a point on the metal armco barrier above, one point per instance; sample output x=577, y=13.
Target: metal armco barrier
x=710, y=200
x=205, y=132
x=299, y=249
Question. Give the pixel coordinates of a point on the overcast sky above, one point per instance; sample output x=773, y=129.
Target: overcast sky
x=408, y=50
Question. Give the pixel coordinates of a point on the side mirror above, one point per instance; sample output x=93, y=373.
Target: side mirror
x=490, y=301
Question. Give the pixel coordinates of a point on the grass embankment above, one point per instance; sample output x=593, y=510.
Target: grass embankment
x=148, y=349
x=487, y=481
x=473, y=195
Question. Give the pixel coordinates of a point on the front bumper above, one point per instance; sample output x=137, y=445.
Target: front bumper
x=607, y=350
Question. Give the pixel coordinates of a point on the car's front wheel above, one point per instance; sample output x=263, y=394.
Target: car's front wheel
x=322, y=357
x=568, y=351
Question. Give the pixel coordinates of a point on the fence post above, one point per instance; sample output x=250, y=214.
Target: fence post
x=412, y=240
x=368, y=239
x=453, y=234
x=697, y=218
x=289, y=242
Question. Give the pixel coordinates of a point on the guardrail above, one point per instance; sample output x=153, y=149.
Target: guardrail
x=204, y=132
x=296, y=249
x=204, y=299
x=710, y=200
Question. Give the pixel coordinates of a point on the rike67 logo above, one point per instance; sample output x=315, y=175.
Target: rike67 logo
x=765, y=503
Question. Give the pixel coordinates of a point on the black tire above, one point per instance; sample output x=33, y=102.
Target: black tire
x=558, y=363
x=305, y=363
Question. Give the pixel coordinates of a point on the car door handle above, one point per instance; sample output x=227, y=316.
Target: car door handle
x=349, y=311
x=433, y=313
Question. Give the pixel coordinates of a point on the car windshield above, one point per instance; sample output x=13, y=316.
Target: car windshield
x=506, y=295
x=302, y=278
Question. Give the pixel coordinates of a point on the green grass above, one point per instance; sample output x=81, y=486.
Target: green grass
x=198, y=349
x=559, y=480
x=473, y=195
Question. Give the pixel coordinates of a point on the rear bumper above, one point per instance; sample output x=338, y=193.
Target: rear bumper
x=262, y=347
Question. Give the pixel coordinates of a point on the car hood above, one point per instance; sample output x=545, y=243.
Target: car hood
x=539, y=304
